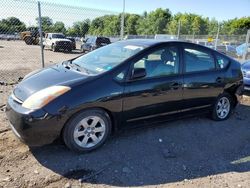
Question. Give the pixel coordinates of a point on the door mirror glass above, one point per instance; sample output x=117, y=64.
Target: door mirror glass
x=50, y=38
x=138, y=73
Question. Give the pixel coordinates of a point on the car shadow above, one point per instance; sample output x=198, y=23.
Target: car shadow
x=73, y=52
x=67, y=52
x=174, y=151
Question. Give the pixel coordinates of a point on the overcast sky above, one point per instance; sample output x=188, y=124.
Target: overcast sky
x=81, y=9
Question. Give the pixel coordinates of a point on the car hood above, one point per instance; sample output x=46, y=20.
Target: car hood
x=246, y=66
x=58, y=40
x=38, y=80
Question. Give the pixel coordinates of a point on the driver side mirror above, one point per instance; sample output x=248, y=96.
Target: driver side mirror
x=50, y=38
x=138, y=73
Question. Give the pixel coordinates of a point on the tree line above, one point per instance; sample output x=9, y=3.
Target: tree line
x=160, y=21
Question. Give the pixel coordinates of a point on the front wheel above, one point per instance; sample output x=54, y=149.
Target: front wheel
x=28, y=40
x=223, y=107
x=87, y=131
x=53, y=47
x=69, y=49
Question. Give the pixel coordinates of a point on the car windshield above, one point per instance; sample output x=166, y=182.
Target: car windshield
x=102, y=40
x=106, y=58
x=58, y=36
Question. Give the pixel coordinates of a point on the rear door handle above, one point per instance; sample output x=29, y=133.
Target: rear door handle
x=175, y=85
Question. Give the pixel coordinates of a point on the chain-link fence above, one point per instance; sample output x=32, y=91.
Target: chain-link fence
x=29, y=40
x=63, y=29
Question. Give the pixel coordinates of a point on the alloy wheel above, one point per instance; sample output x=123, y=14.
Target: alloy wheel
x=223, y=107
x=89, y=131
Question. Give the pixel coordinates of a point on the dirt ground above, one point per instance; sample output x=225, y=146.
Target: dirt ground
x=194, y=152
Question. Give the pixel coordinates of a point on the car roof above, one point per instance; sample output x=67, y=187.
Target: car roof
x=153, y=42
x=149, y=42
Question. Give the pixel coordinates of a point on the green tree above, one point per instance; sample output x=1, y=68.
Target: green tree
x=79, y=28
x=236, y=26
x=112, y=24
x=11, y=25
x=47, y=23
x=131, y=24
x=108, y=25
x=155, y=22
x=59, y=27
x=190, y=24
x=213, y=27
x=96, y=26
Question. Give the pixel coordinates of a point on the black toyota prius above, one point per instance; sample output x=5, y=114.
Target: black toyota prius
x=122, y=85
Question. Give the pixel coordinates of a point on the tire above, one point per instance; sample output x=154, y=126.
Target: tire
x=248, y=56
x=87, y=131
x=82, y=50
x=35, y=41
x=28, y=40
x=92, y=49
x=69, y=49
x=223, y=107
x=53, y=48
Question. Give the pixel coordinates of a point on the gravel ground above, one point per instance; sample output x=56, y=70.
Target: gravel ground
x=194, y=152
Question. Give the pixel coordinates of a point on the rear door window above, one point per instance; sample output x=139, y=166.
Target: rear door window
x=197, y=59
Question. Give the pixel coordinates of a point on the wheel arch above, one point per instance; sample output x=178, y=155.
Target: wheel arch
x=109, y=113
x=233, y=91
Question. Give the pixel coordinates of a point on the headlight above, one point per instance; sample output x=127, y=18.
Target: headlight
x=44, y=96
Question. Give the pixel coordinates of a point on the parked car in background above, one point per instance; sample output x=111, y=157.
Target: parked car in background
x=203, y=42
x=243, y=50
x=9, y=37
x=246, y=77
x=122, y=85
x=227, y=49
x=93, y=43
x=165, y=37
x=57, y=41
x=73, y=42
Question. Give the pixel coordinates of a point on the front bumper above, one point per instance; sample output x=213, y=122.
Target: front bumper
x=246, y=81
x=246, y=89
x=63, y=46
x=34, y=128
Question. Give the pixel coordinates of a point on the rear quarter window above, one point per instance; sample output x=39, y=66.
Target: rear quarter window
x=221, y=61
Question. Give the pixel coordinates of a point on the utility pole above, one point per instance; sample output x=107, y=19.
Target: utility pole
x=217, y=37
x=41, y=33
x=179, y=30
x=122, y=21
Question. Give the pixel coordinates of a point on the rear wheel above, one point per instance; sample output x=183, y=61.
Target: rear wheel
x=87, y=131
x=223, y=107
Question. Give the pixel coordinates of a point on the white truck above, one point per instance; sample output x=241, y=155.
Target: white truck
x=56, y=42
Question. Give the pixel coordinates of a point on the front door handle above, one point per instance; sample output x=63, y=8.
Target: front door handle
x=219, y=80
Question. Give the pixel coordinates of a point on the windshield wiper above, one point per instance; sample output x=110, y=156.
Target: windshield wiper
x=69, y=64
